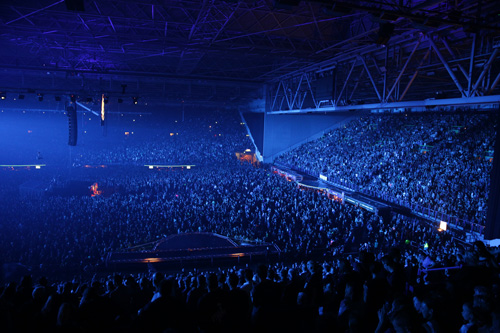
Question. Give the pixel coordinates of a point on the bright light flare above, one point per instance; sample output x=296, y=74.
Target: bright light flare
x=443, y=226
x=102, y=108
x=94, y=188
x=27, y=166
x=161, y=166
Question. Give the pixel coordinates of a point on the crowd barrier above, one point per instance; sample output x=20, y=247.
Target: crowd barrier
x=289, y=175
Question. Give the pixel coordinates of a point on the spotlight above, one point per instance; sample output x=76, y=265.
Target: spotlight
x=3, y=95
x=21, y=96
x=135, y=99
x=40, y=97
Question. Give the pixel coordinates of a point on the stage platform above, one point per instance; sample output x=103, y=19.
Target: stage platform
x=193, y=250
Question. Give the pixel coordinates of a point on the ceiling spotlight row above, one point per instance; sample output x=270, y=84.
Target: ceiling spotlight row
x=73, y=98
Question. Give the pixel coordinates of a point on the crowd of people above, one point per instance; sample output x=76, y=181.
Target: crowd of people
x=440, y=161
x=202, y=138
x=366, y=292
x=372, y=273
x=145, y=205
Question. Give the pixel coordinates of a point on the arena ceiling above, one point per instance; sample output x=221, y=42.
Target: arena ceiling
x=236, y=42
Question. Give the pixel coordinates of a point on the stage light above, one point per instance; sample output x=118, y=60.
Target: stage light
x=102, y=109
x=443, y=226
x=40, y=97
x=134, y=99
x=3, y=95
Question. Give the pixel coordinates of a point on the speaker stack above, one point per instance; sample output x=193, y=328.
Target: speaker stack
x=72, y=125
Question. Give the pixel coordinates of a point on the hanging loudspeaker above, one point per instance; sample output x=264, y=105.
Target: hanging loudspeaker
x=72, y=125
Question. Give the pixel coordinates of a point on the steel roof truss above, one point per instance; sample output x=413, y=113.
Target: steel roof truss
x=345, y=82
x=414, y=75
x=357, y=83
x=471, y=66
x=228, y=18
x=454, y=57
x=445, y=64
x=401, y=72
x=486, y=69
x=494, y=84
x=371, y=78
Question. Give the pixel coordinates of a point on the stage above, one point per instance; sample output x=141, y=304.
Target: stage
x=190, y=250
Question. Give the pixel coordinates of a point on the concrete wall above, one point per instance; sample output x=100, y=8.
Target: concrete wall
x=255, y=124
x=286, y=131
